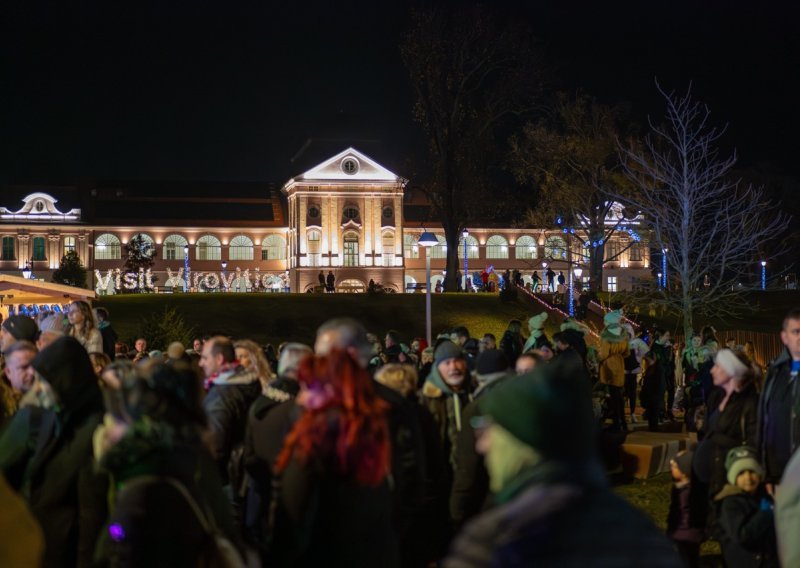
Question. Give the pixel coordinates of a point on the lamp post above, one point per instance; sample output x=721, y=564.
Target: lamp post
x=659, y=279
x=224, y=271
x=186, y=267
x=763, y=274
x=465, y=234
x=428, y=240
x=578, y=271
x=26, y=271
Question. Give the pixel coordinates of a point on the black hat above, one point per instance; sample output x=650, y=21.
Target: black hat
x=491, y=361
x=447, y=350
x=21, y=328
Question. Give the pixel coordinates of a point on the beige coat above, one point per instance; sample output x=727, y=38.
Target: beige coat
x=612, y=362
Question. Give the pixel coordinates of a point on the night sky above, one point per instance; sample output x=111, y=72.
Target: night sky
x=231, y=91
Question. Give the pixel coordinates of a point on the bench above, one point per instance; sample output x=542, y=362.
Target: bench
x=416, y=287
x=644, y=454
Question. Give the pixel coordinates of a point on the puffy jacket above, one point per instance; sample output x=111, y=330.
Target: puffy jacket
x=612, y=354
x=748, y=533
x=226, y=405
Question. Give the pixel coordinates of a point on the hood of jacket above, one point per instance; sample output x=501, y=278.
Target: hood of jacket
x=606, y=335
x=66, y=367
x=237, y=376
x=435, y=386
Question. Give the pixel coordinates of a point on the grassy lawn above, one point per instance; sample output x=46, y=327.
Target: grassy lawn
x=272, y=318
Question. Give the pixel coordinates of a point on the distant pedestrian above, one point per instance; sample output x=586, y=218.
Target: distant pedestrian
x=551, y=280
x=107, y=332
x=330, y=282
x=535, y=282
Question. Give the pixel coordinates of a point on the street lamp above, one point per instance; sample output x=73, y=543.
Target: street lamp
x=26, y=272
x=465, y=234
x=427, y=240
x=763, y=274
x=224, y=269
x=659, y=280
x=186, y=266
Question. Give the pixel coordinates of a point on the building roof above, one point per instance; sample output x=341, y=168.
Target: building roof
x=168, y=203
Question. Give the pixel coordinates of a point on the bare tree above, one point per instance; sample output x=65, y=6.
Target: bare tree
x=709, y=223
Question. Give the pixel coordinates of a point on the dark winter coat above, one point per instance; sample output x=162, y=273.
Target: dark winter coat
x=226, y=405
x=63, y=489
x=778, y=435
x=470, y=478
x=748, y=533
x=109, y=339
x=323, y=518
x=447, y=408
x=680, y=523
x=511, y=344
x=732, y=427
x=160, y=527
x=653, y=386
x=565, y=517
x=258, y=439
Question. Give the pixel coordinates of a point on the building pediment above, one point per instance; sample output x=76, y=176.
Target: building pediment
x=39, y=207
x=348, y=166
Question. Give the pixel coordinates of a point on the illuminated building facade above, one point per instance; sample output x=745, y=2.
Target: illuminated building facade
x=348, y=215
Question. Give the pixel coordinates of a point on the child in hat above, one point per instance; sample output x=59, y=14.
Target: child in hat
x=685, y=535
x=746, y=513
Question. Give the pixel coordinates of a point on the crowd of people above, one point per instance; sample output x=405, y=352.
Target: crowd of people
x=382, y=450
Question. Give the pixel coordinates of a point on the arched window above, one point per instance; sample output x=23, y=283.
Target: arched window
x=241, y=248
x=313, y=236
x=496, y=247
x=173, y=247
x=208, y=247
x=555, y=248
x=580, y=253
x=273, y=247
x=107, y=247
x=472, y=247
x=387, y=242
x=525, y=248
x=350, y=249
x=440, y=250
x=147, y=243
x=410, y=246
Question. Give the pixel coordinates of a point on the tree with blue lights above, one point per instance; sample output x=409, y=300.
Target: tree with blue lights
x=570, y=158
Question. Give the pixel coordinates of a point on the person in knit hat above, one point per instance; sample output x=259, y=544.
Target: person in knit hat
x=17, y=328
x=553, y=506
x=537, y=337
x=445, y=393
x=612, y=353
x=746, y=513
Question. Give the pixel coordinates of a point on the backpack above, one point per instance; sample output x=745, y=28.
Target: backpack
x=218, y=551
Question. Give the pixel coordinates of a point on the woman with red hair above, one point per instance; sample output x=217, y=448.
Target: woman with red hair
x=333, y=501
